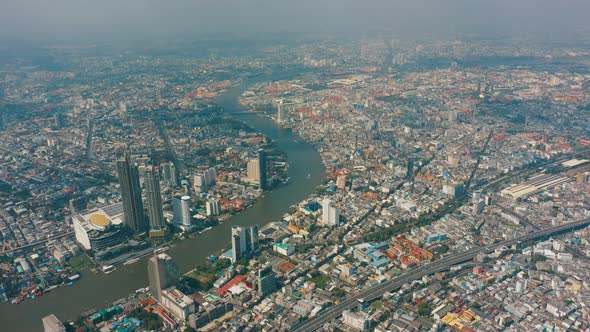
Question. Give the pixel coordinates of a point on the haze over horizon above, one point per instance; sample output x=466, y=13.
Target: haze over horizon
x=75, y=21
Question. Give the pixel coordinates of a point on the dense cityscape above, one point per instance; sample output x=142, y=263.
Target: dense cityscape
x=370, y=184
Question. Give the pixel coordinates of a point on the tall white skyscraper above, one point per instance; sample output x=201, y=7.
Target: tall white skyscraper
x=213, y=207
x=330, y=213
x=162, y=273
x=244, y=241
x=199, y=183
x=282, y=114
x=182, y=212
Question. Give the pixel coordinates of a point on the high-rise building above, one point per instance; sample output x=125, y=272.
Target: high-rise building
x=239, y=245
x=131, y=195
x=253, y=243
x=257, y=169
x=452, y=116
x=244, y=241
x=199, y=184
x=52, y=324
x=282, y=114
x=210, y=177
x=59, y=120
x=266, y=280
x=182, y=212
x=213, y=207
x=162, y=273
x=330, y=213
x=170, y=174
x=154, y=203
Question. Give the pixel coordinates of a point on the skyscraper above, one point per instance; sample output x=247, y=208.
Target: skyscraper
x=262, y=171
x=239, y=245
x=244, y=241
x=282, y=114
x=266, y=280
x=213, y=207
x=170, y=174
x=253, y=244
x=162, y=273
x=154, y=203
x=59, y=120
x=182, y=213
x=131, y=195
x=257, y=169
x=330, y=213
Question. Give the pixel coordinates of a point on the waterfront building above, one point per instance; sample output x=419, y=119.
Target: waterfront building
x=154, y=203
x=131, y=195
x=182, y=212
x=162, y=273
x=213, y=207
x=100, y=229
x=177, y=303
x=244, y=241
x=52, y=324
x=257, y=169
x=282, y=114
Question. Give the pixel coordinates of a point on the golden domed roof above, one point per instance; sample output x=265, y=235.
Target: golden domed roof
x=100, y=220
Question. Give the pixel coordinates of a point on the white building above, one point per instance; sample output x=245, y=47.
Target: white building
x=179, y=305
x=355, y=320
x=213, y=207
x=182, y=212
x=330, y=213
x=284, y=249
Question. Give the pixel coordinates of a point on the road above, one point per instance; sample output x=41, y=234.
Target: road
x=38, y=242
x=436, y=266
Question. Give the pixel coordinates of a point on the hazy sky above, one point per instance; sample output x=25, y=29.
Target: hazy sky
x=143, y=19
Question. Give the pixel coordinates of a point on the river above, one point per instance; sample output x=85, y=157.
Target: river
x=98, y=290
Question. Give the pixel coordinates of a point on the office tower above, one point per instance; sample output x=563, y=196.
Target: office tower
x=262, y=171
x=170, y=174
x=253, y=243
x=182, y=212
x=257, y=169
x=162, y=273
x=266, y=280
x=154, y=203
x=59, y=120
x=254, y=170
x=131, y=195
x=239, y=245
x=330, y=213
x=199, y=184
x=213, y=207
x=452, y=116
x=210, y=177
x=52, y=324
x=282, y=114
